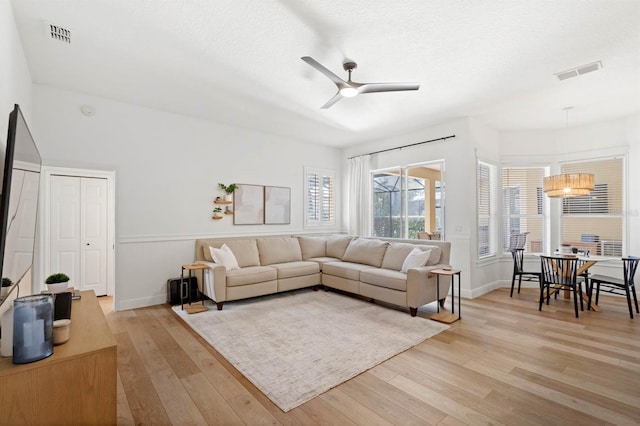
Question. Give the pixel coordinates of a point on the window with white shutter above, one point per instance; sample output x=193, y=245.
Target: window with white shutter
x=319, y=197
x=487, y=214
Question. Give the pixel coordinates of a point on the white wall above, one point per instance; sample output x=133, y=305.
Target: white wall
x=15, y=79
x=167, y=170
x=15, y=88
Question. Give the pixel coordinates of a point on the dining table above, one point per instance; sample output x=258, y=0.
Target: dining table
x=589, y=261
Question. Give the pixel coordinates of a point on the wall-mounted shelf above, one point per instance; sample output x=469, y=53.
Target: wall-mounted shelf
x=228, y=212
x=216, y=217
x=222, y=202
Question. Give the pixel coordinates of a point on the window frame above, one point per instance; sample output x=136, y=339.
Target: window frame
x=402, y=173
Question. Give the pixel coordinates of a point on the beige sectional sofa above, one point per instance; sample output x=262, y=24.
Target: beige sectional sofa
x=366, y=266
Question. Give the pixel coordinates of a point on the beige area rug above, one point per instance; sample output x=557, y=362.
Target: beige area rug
x=297, y=345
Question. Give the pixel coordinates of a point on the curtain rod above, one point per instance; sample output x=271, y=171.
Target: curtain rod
x=403, y=146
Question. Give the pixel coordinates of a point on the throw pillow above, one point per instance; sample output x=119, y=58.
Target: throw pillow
x=225, y=257
x=415, y=259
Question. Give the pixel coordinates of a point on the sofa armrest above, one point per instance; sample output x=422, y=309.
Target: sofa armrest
x=214, y=281
x=421, y=285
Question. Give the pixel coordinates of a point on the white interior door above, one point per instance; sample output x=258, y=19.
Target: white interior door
x=78, y=234
x=93, y=234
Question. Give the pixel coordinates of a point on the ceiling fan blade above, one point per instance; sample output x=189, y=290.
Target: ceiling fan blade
x=317, y=65
x=332, y=101
x=387, y=87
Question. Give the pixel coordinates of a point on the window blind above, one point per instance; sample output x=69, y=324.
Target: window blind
x=525, y=209
x=595, y=222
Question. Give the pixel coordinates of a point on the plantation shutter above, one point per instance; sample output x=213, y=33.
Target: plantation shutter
x=595, y=222
x=525, y=209
x=320, y=197
x=486, y=180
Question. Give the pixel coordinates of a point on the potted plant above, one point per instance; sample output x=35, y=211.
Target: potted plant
x=217, y=213
x=228, y=190
x=6, y=284
x=57, y=283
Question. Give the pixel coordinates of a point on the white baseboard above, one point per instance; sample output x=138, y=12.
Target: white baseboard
x=142, y=302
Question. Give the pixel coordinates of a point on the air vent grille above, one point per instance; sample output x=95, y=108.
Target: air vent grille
x=574, y=72
x=59, y=33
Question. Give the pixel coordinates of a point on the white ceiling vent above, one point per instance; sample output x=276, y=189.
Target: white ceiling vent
x=56, y=32
x=574, y=72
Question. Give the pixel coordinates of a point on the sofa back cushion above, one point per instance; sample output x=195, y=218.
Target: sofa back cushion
x=245, y=251
x=337, y=245
x=395, y=255
x=365, y=251
x=279, y=250
x=434, y=257
x=312, y=247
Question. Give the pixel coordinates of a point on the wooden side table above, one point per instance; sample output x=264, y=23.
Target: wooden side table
x=190, y=267
x=447, y=317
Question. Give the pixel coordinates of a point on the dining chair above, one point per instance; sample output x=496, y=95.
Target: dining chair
x=518, y=270
x=560, y=273
x=625, y=285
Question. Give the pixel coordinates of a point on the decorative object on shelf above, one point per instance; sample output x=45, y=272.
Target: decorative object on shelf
x=6, y=285
x=228, y=190
x=248, y=205
x=32, y=328
x=57, y=283
x=61, y=329
x=569, y=184
x=217, y=213
x=277, y=205
x=228, y=210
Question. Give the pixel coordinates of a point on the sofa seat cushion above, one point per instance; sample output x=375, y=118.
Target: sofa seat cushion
x=322, y=260
x=388, y=278
x=296, y=269
x=279, y=250
x=366, y=251
x=251, y=275
x=348, y=270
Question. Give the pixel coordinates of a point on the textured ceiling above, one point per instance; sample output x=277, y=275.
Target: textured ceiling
x=238, y=61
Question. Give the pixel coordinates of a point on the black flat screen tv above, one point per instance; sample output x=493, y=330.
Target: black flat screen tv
x=18, y=202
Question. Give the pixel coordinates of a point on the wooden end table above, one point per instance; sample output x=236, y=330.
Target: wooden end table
x=447, y=317
x=190, y=267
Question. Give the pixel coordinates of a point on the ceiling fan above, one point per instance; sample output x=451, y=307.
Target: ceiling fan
x=349, y=89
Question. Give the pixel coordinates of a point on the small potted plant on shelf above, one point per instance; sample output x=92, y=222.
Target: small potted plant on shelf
x=217, y=213
x=228, y=190
x=57, y=283
x=6, y=284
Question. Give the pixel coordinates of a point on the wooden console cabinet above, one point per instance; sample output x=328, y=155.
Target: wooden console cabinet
x=75, y=385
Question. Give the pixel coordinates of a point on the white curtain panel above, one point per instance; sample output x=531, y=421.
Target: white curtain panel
x=360, y=195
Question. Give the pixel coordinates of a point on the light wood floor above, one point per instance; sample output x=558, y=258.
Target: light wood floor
x=504, y=363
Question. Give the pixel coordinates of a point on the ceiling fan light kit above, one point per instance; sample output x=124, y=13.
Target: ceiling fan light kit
x=349, y=88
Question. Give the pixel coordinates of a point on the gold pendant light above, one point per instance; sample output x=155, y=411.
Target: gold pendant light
x=569, y=184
